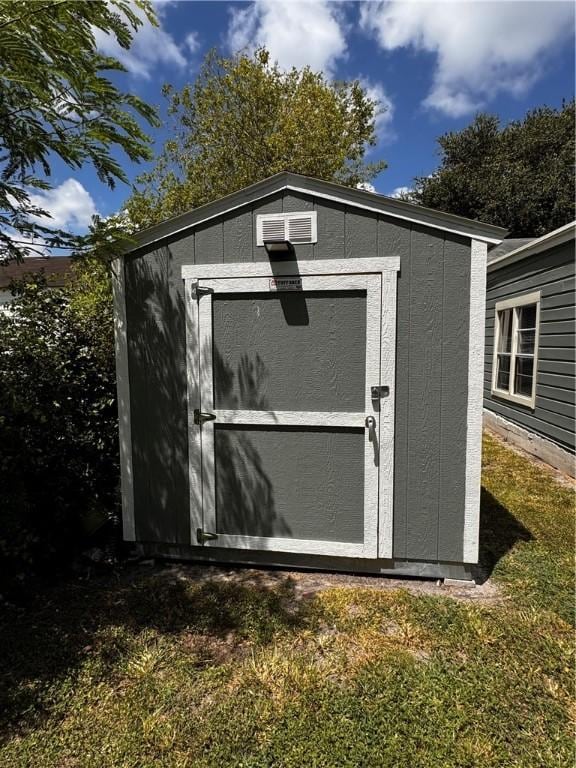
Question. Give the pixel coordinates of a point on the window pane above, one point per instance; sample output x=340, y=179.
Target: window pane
x=523, y=376
x=505, y=340
x=527, y=316
x=503, y=373
x=526, y=341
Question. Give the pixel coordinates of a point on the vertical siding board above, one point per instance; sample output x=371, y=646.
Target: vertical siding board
x=425, y=391
x=272, y=204
x=209, y=243
x=182, y=250
x=454, y=401
x=393, y=237
x=331, y=230
x=158, y=387
x=361, y=238
x=238, y=236
x=403, y=244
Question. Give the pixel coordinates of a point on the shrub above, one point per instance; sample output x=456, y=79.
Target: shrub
x=58, y=419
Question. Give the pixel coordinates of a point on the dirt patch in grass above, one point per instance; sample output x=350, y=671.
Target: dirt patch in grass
x=305, y=584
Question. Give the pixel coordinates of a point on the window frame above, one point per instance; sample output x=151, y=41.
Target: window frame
x=514, y=304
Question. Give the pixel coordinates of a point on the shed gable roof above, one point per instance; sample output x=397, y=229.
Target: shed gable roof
x=368, y=201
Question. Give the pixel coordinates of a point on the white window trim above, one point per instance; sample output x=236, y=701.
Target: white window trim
x=514, y=303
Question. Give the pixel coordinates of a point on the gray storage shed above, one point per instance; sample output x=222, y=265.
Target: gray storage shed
x=530, y=375
x=300, y=381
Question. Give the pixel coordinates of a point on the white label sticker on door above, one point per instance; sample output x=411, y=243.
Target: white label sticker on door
x=286, y=284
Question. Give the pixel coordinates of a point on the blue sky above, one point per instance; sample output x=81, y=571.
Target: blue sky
x=433, y=65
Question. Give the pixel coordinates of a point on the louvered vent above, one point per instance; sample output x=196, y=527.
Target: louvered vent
x=273, y=229
x=292, y=227
x=300, y=229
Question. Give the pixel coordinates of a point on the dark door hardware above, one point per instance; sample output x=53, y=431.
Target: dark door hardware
x=202, y=536
x=379, y=392
x=201, y=416
x=197, y=290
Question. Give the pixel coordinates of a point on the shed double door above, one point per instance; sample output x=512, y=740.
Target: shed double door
x=287, y=413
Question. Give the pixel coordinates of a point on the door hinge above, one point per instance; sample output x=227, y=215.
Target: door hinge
x=202, y=536
x=379, y=392
x=197, y=290
x=201, y=416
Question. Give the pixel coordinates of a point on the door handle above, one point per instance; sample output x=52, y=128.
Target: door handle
x=201, y=416
x=370, y=422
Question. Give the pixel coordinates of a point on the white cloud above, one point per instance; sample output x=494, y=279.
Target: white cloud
x=383, y=121
x=151, y=46
x=400, y=192
x=69, y=204
x=193, y=42
x=365, y=186
x=295, y=33
x=481, y=48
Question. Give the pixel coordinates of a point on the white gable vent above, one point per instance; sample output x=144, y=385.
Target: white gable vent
x=292, y=227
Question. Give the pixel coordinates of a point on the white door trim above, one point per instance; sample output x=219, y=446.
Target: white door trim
x=372, y=285
x=383, y=357
x=287, y=268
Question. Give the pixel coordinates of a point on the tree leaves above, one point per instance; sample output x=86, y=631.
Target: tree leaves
x=57, y=102
x=245, y=119
x=520, y=177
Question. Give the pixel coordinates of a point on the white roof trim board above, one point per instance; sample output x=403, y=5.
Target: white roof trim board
x=355, y=198
x=558, y=236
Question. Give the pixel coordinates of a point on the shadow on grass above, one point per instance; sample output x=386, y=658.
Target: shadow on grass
x=49, y=640
x=499, y=532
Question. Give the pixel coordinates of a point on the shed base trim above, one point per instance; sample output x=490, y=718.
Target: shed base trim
x=411, y=568
x=535, y=445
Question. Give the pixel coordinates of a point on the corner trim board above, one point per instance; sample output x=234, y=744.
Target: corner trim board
x=479, y=252
x=123, y=396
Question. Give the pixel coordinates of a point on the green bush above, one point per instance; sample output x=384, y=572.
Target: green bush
x=58, y=419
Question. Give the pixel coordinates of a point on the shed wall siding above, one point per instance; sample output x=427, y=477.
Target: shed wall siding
x=552, y=273
x=431, y=365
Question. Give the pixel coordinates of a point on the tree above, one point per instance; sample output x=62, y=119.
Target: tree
x=520, y=177
x=58, y=418
x=57, y=103
x=245, y=119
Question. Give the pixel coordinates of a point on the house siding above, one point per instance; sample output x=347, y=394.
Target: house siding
x=552, y=273
x=433, y=304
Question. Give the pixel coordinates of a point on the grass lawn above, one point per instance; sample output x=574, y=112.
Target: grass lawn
x=155, y=670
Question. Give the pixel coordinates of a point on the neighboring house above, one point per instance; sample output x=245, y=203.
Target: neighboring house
x=530, y=377
x=300, y=374
x=54, y=268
